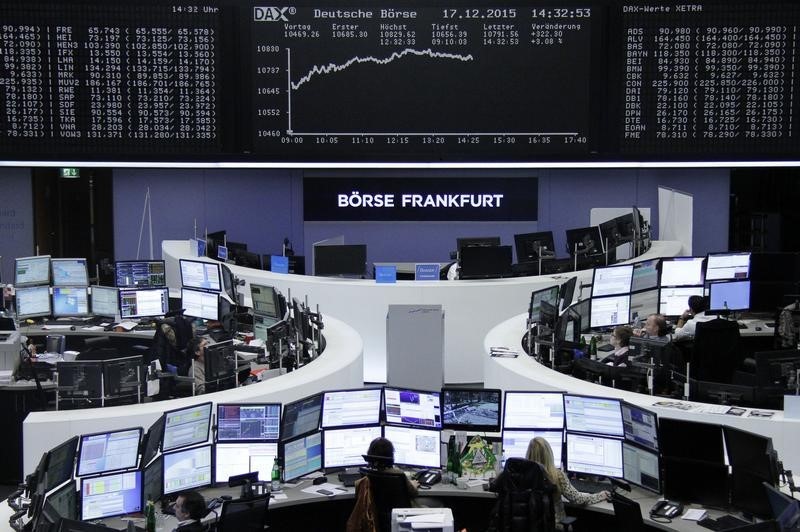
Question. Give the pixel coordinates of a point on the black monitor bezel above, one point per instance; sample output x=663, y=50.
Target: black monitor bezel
x=37, y=282
x=690, y=447
x=495, y=427
x=215, y=264
x=149, y=452
x=482, y=241
x=353, y=252
x=84, y=479
x=185, y=450
x=282, y=451
x=173, y=411
x=143, y=261
x=576, y=234
x=521, y=240
x=83, y=437
x=384, y=416
x=65, y=259
x=365, y=424
x=584, y=396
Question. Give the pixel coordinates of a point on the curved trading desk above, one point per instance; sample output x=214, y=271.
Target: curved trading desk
x=471, y=308
x=525, y=373
x=340, y=367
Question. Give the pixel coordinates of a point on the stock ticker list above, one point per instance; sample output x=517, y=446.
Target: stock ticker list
x=507, y=81
x=115, y=78
x=714, y=77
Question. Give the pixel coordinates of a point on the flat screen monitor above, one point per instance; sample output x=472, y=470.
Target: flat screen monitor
x=643, y=304
x=549, y=295
x=609, y=311
x=105, y=301
x=213, y=241
x=346, y=447
x=727, y=266
x=533, y=410
x=595, y=415
x=245, y=258
x=301, y=416
x=417, y=408
x=109, y=451
x=64, y=501
x=731, y=295
x=566, y=292
x=340, y=260
x=531, y=246
x=152, y=440
x=696, y=481
x=33, y=301
x=143, y=302
x=199, y=304
x=265, y=301
x=645, y=275
x=153, y=480
x=69, y=272
x=640, y=426
x=81, y=380
x=122, y=377
x=485, y=262
x=612, y=280
x=238, y=458
x=302, y=456
x=111, y=495
x=415, y=447
x=261, y=325
x=777, y=369
x=61, y=464
x=674, y=301
x=256, y=422
x=610, y=232
x=30, y=271
x=594, y=455
x=187, y=469
x=584, y=241
x=351, y=407
x=201, y=275
x=70, y=301
x=220, y=367
x=682, y=271
x=515, y=443
x=785, y=508
x=751, y=451
x=186, y=426
x=140, y=274
x=471, y=409
x=476, y=241
x=775, y=267
x=641, y=467
x=705, y=443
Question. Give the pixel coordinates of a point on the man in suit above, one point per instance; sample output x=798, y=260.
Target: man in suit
x=190, y=508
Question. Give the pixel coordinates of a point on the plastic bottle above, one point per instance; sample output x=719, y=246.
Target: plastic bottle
x=593, y=348
x=150, y=517
x=276, y=476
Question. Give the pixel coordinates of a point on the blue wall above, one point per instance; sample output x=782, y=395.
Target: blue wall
x=16, y=219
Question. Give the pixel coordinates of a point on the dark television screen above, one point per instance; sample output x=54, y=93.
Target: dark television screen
x=340, y=260
x=485, y=262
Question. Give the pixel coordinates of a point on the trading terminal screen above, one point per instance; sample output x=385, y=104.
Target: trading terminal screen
x=412, y=407
x=187, y=469
x=109, y=451
x=140, y=274
x=730, y=295
x=32, y=270
x=682, y=271
x=415, y=447
x=265, y=300
x=596, y=415
x=239, y=458
x=641, y=467
x=594, y=455
x=186, y=426
x=198, y=304
x=515, y=443
x=640, y=426
x=645, y=275
x=248, y=422
x=610, y=310
x=301, y=416
x=69, y=272
x=612, y=280
x=351, y=407
x=143, y=302
x=105, y=301
x=727, y=266
x=345, y=447
x=32, y=301
x=533, y=410
x=302, y=456
x=675, y=300
x=70, y=301
x=111, y=495
x=201, y=275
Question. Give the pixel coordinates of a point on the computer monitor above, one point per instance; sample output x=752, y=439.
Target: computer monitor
x=728, y=266
x=219, y=361
x=682, y=271
x=594, y=455
x=345, y=408
x=415, y=447
x=140, y=274
x=549, y=294
x=471, y=409
x=70, y=525
x=612, y=280
x=566, y=292
x=32, y=301
x=730, y=295
x=533, y=410
x=199, y=304
x=751, y=451
x=340, y=260
x=641, y=467
x=64, y=501
x=609, y=231
x=80, y=381
x=61, y=464
x=696, y=481
x=643, y=304
x=152, y=440
x=251, y=422
x=153, y=480
x=122, y=377
x=186, y=426
x=595, y=415
x=213, y=241
x=346, y=447
x=265, y=301
x=143, y=302
x=187, y=469
x=674, y=301
x=626, y=227
x=548, y=315
x=302, y=455
x=261, y=325
x=109, y=451
x=245, y=258
x=111, y=495
x=645, y=275
x=301, y=416
x=584, y=241
x=416, y=408
x=70, y=301
x=201, y=275
x=530, y=246
x=785, y=508
x=30, y=271
x=640, y=426
x=568, y=327
x=69, y=272
x=777, y=369
x=238, y=458
x=485, y=262
x=610, y=311
x=705, y=443
x=515, y=443
x=477, y=241
x=105, y=301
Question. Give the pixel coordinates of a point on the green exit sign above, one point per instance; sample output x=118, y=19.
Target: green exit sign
x=70, y=172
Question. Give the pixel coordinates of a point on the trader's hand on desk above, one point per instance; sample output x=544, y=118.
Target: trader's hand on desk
x=607, y=495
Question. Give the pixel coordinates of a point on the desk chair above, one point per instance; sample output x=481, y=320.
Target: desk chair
x=525, y=498
x=243, y=515
x=389, y=490
x=716, y=350
x=627, y=514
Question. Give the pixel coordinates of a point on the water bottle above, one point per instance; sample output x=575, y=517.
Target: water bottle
x=276, y=476
x=150, y=517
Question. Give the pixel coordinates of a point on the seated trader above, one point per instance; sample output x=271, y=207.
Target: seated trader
x=655, y=328
x=687, y=323
x=380, y=456
x=196, y=349
x=620, y=339
x=190, y=508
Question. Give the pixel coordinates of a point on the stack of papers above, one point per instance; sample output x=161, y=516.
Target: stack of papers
x=694, y=514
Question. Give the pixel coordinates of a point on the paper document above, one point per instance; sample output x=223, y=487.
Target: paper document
x=694, y=514
x=127, y=325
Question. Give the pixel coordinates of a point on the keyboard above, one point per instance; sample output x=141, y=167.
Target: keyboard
x=65, y=322
x=590, y=486
x=605, y=347
x=349, y=479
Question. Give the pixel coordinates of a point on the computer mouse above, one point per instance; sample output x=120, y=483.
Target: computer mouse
x=758, y=328
x=71, y=327
x=319, y=480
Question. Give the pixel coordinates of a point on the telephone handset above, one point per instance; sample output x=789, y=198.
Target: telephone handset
x=666, y=509
x=428, y=478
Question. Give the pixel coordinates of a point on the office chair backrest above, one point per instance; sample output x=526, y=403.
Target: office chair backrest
x=627, y=514
x=389, y=490
x=243, y=515
x=525, y=498
x=716, y=350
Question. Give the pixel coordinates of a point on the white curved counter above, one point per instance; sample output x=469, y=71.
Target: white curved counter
x=470, y=307
x=524, y=373
x=339, y=367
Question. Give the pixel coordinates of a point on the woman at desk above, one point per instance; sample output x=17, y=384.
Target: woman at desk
x=620, y=340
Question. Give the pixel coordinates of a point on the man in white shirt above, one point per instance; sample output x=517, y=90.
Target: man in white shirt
x=688, y=321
